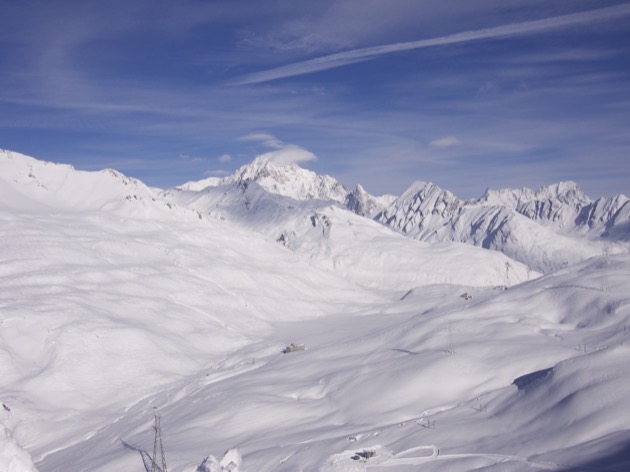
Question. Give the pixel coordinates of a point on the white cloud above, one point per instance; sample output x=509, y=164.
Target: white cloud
x=257, y=137
x=364, y=54
x=288, y=154
x=225, y=158
x=445, y=142
x=284, y=153
x=266, y=139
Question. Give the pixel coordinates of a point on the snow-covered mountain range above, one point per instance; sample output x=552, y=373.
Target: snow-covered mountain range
x=424, y=209
x=545, y=229
x=438, y=334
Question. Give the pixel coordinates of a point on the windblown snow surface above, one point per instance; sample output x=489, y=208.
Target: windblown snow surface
x=116, y=300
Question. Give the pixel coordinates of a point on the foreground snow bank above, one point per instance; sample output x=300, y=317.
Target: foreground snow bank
x=231, y=462
x=12, y=457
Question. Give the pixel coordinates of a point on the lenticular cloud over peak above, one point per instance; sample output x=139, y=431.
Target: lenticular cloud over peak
x=282, y=153
x=287, y=155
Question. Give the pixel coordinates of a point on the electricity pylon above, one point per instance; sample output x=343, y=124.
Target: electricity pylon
x=150, y=463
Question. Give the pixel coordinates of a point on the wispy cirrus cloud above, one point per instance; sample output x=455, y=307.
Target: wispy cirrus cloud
x=365, y=54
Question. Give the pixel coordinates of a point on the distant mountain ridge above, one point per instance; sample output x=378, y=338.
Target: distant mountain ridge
x=564, y=206
x=549, y=228
x=286, y=179
x=290, y=180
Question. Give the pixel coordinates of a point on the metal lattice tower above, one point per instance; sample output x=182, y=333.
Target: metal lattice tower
x=158, y=446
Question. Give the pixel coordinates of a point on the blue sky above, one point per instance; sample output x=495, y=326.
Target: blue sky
x=467, y=94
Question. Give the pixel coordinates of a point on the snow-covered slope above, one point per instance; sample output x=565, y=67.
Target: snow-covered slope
x=547, y=230
x=111, y=307
x=100, y=307
x=355, y=247
x=609, y=217
x=533, y=378
x=29, y=184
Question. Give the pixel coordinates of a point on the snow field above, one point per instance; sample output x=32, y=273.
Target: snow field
x=417, y=356
x=390, y=384
x=96, y=315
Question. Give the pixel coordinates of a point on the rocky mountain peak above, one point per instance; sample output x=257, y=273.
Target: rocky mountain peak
x=361, y=202
x=567, y=192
